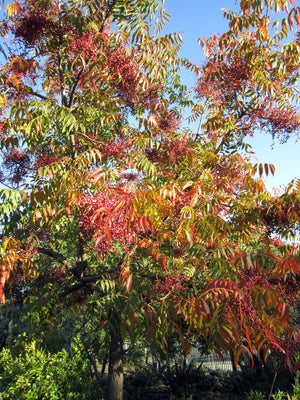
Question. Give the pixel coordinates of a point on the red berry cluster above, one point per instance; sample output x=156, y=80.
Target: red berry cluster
x=115, y=148
x=32, y=26
x=221, y=80
x=172, y=284
x=169, y=151
x=288, y=287
x=126, y=76
x=243, y=307
x=278, y=121
x=236, y=75
x=17, y=164
x=57, y=273
x=86, y=44
x=130, y=176
x=228, y=175
x=167, y=121
x=42, y=160
x=40, y=18
x=278, y=215
x=124, y=73
x=291, y=346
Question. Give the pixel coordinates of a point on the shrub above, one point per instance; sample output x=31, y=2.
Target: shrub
x=37, y=374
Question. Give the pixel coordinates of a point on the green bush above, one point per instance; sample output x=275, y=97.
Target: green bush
x=36, y=374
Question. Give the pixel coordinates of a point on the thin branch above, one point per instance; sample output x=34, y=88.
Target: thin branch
x=83, y=282
x=227, y=134
x=5, y=184
x=41, y=96
x=219, y=148
x=108, y=14
x=90, y=139
x=74, y=87
x=201, y=120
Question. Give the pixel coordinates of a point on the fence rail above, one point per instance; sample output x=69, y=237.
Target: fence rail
x=210, y=360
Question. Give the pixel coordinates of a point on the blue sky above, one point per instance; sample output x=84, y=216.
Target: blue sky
x=204, y=18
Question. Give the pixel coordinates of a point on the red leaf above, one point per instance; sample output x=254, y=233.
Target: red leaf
x=104, y=37
x=272, y=169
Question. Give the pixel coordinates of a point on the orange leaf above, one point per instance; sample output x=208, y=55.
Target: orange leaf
x=205, y=306
x=128, y=283
x=2, y=296
x=108, y=235
x=149, y=313
x=264, y=30
x=247, y=331
x=237, y=353
x=97, y=174
x=163, y=262
x=38, y=216
x=151, y=252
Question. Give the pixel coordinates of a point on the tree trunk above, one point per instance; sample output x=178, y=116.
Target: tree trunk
x=115, y=368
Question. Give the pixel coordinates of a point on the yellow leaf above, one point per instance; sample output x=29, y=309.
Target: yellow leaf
x=13, y=9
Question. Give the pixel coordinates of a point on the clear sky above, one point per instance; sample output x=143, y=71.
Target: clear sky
x=204, y=18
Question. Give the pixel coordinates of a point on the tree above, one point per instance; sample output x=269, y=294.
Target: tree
x=146, y=227
x=75, y=78
x=249, y=81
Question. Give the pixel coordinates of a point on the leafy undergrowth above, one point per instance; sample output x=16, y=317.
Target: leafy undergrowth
x=37, y=374
x=175, y=383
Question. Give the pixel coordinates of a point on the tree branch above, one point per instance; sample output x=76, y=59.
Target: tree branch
x=57, y=256
x=41, y=96
x=201, y=121
x=83, y=282
x=74, y=87
x=227, y=134
x=108, y=14
x=223, y=141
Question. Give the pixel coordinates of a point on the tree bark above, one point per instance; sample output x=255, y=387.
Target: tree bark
x=115, y=368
